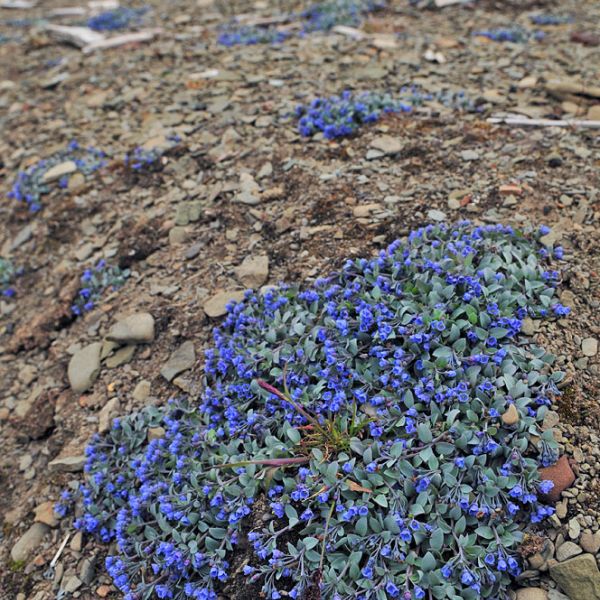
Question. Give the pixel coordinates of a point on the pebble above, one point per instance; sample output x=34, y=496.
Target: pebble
x=155, y=433
x=215, y=306
x=469, y=155
x=44, y=513
x=590, y=542
x=589, y=346
x=436, y=215
x=109, y=411
x=142, y=390
x=58, y=171
x=254, y=271
x=120, y=357
x=561, y=475
x=181, y=360
x=72, y=584
x=77, y=542
x=574, y=528
x=511, y=416
x=387, y=144
x=84, y=367
x=135, y=329
x=67, y=464
x=87, y=570
x=567, y=550
x=29, y=542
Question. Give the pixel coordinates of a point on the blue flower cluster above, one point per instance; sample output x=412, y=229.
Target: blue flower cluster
x=514, y=34
x=94, y=283
x=29, y=185
x=353, y=434
x=342, y=115
x=119, y=18
x=233, y=35
x=551, y=19
x=149, y=158
x=7, y=277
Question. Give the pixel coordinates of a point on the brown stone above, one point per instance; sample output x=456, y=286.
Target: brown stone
x=511, y=416
x=103, y=591
x=561, y=475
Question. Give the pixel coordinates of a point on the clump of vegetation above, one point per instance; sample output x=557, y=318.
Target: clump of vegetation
x=119, y=18
x=323, y=16
x=30, y=185
x=8, y=273
x=149, y=159
x=248, y=35
x=514, y=34
x=368, y=414
x=94, y=283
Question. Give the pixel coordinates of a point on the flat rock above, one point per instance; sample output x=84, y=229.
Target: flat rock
x=561, y=475
x=387, y=144
x=589, y=346
x=532, y=593
x=29, y=542
x=181, y=360
x=469, y=155
x=436, y=215
x=109, y=411
x=84, y=367
x=254, y=271
x=566, y=551
x=44, y=513
x=67, y=464
x=137, y=328
x=58, y=171
x=578, y=577
x=121, y=356
x=215, y=306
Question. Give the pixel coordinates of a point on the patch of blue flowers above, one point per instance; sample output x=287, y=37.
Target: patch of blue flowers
x=514, y=34
x=94, y=283
x=119, y=18
x=149, y=158
x=8, y=273
x=351, y=434
x=29, y=185
x=551, y=19
x=248, y=35
x=339, y=116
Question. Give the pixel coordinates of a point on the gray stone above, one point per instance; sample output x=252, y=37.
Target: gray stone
x=181, y=360
x=29, y=541
x=141, y=390
x=58, y=171
x=87, y=570
x=556, y=595
x=469, y=155
x=253, y=271
x=84, y=367
x=528, y=326
x=589, y=346
x=574, y=528
x=72, y=584
x=567, y=550
x=387, y=144
x=109, y=411
x=436, y=215
x=134, y=329
x=120, y=357
x=215, y=305
x=67, y=464
x=578, y=578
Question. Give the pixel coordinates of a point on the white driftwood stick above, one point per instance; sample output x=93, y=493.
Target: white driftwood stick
x=78, y=36
x=525, y=122
x=120, y=40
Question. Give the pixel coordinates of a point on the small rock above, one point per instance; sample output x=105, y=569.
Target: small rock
x=578, y=577
x=531, y=593
x=29, y=542
x=589, y=346
x=44, y=513
x=87, y=571
x=72, y=584
x=67, y=464
x=364, y=210
x=103, y=590
x=590, y=542
x=567, y=550
x=142, y=390
x=135, y=329
x=254, y=271
x=574, y=528
x=77, y=542
x=528, y=326
x=561, y=475
x=181, y=360
x=178, y=235
x=469, y=155
x=58, y=171
x=511, y=416
x=387, y=144
x=436, y=215
x=215, y=306
x=84, y=367
x=120, y=357
x=107, y=414
x=155, y=433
